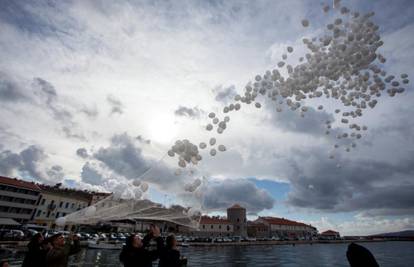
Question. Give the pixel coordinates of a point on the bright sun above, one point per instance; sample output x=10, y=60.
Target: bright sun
x=162, y=129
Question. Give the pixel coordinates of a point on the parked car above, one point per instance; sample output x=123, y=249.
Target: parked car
x=14, y=235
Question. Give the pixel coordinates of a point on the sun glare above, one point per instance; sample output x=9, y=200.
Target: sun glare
x=162, y=129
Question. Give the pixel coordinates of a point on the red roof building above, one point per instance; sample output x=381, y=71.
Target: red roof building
x=330, y=233
x=18, y=199
x=19, y=183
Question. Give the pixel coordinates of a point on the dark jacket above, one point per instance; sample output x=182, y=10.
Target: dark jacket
x=359, y=256
x=59, y=257
x=140, y=257
x=170, y=257
x=35, y=256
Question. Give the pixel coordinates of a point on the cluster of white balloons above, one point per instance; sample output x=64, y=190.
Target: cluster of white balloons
x=191, y=187
x=342, y=65
x=187, y=153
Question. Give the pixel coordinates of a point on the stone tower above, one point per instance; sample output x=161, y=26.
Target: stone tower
x=236, y=214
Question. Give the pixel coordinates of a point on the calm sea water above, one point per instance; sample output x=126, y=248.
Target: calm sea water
x=392, y=254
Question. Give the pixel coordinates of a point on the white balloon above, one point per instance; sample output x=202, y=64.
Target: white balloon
x=61, y=221
x=221, y=148
x=211, y=115
x=170, y=153
x=305, y=23
x=136, y=183
x=209, y=127
x=202, y=145
x=213, y=152
x=144, y=187
x=212, y=141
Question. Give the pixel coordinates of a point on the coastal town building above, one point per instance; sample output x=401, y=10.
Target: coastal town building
x=236, y=214
x=215, y=227
x=258, y=230
x=329, y=235
x=98, y=196
x=56, y=202
x=18, y=199
x=284, y=228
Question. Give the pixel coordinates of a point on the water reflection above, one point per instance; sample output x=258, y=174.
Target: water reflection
x=393, y=254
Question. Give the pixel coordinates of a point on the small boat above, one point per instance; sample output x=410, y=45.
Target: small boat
x=104, y=245
x=184, y=244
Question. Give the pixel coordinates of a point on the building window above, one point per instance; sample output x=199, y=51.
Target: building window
x=238, y=220
x=204, y=227
x=211, y=226
x=67, y=205
x=219, y=226
x=48, y=214
x=60, y=204
x=57, y=214
x=43, y=201
x=38, y=213
x=73, y=205
x=228, y=227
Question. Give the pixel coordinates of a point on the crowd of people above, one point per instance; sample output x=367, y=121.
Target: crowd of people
x=137, y=252
x=51, y=252
x=140, y=252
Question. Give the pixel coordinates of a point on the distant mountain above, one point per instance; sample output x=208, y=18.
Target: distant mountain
x=406, y=233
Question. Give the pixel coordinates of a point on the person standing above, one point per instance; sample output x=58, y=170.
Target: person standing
x=36, y=254
x=135, y=252
x=58, y=255
x=170, y=256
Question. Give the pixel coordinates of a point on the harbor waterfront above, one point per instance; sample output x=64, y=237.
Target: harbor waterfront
x=330, y=253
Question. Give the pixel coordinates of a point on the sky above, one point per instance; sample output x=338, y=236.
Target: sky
x=94, y=93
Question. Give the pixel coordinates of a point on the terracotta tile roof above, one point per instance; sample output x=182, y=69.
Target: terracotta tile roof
x=282, y=221
x=329, y=232
x=213, y=220
x=66, y=191
x=19, y=183
x=236, y=206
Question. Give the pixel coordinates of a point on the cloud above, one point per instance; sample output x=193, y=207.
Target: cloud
x=116, y=104
x=225, y=94
x=82, y=152
x=10, y=90
x=29, y=162
x=313, y=122
x=192, y=113
x=359, y=185
x=362, y=225
x=91, y=175
x=123, y=156
x=219, y=195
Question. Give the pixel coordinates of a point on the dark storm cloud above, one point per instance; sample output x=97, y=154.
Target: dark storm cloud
x=222, y=194
x=361, y=185
x=123, y=156
x=82, y=152
x=225, y=94
x=313, y=123
x=194, y=112
x=116, y=104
